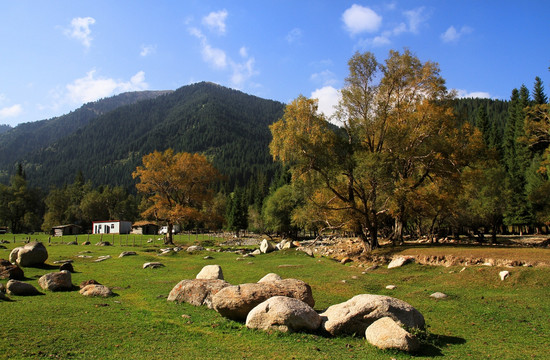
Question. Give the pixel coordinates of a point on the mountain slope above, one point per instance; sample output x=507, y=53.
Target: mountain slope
x=25, y=138
x=230, y=127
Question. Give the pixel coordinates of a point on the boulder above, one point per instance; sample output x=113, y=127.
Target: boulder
x=194, y=248
x=235, y=302
x=400, y=261
x=270, y=277
x=57, y=281
x=266, y=247
x=127, y=253
x=10, y=271
x=197, y=292
x=96, y=290
x=153, y=265
x=211, y=272
x=67, y=266
x=359, y=312
x=19, y=288
x=283, y=314
x=102, y=258
x=32, y=254
x=385, y=333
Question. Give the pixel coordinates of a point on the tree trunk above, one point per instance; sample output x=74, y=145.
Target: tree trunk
x=168, y=240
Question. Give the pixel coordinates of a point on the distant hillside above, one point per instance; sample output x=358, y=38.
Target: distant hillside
x=229, y=126
x=18, y=142
x=4, y=128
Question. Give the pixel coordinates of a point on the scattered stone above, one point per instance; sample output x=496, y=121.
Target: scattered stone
x=88, y=282
x=208, y=257
x=400, y=261
x=256, y=252
x=439, y=295
x=391, y=287
x=355, y=277
x=96, y=290
x=197, y=292
x=153, y=265
x=72, y=243
x=102, y=258
x=306, y=250
x=85, y=256
x=345, y=260
x=67, y=266
x=248, y=255
x=127, y=253
x=270, y=277
x=32, y=254
x=103, y=243
x=283, y=314
x=504, y=274
x=63, y=261
x=266, y=247
x=359, y=312
x=235, y=302
x=343, y=281
x=19, y=288
x=211, y=272
x=86, y=243
x=10, y=271
x=385, y=333
x=58, y=281
x=185, y=316
x=194, y=248
x=461, y=270
x=177, y=249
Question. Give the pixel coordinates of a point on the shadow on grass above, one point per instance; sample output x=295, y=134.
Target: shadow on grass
x=432, y=345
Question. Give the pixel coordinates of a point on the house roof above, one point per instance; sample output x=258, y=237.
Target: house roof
x=65, y=226
x=143, y=223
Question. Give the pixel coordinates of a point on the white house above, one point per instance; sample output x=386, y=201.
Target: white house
x=112, y=227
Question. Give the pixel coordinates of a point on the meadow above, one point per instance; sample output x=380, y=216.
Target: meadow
x=483, y=317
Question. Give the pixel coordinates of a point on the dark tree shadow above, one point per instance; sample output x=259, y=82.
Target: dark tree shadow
x=433, y=343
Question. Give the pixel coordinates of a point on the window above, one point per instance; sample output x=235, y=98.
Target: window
x=112, y=226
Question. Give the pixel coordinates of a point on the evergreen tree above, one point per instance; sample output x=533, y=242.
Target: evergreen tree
x=539, y=97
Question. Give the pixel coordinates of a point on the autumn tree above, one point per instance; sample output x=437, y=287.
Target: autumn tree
x=177, y=184
x=397, y=133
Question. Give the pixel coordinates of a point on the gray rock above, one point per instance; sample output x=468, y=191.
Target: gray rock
x=194, y=248
x=10, y=271
x=196, y=292
x=266, y=247
x=256, y=252
x=102, y=258
x=153, y=265
x=400, y=261
x=359, y=312
x=32, y=254
x=127, y=253
x=211, y=272
x=438, y=295
x=283, y=314
x=235, y=302
x=19, y=288
x=270, y=277
x=96, y=290
x=58, y=281
x=67, y=266
x=385, y=333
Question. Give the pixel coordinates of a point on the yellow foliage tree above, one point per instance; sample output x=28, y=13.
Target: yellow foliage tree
x=178, y=186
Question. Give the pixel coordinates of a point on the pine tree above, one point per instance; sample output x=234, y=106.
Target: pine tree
x=539, y=97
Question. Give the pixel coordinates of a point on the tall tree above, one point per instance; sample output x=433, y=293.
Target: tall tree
x=539, y=97
x=397, y=132
x=177, y=184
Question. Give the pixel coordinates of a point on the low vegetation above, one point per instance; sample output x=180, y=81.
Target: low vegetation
x=483, y=317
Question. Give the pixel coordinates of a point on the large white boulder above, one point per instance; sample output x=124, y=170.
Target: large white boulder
x=266, y=247
x=385, y=333
x=283, y=314
x=32, y=254
x=211, y=272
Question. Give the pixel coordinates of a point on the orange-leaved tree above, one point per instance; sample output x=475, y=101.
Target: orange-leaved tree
x=178, y=185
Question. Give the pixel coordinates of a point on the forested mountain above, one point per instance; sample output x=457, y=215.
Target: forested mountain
x=17, y=143
x=228, y=126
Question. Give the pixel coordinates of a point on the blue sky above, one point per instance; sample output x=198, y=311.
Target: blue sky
x=57, y=55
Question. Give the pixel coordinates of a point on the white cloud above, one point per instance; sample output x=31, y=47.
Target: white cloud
x=294, y=36
x=415, y=18
x=358, y=19
x=215, y=21
x=11, y=111
x=474, y=94
x=242, y=72
x=80, y=30
x=243, y=51
x=451, y=34
x=213, y=56
x=328, y=98
x=147, y=50
x=91, y=88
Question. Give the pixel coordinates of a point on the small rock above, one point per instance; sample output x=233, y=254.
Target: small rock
x=391, y=287
x=195, y=248
x=102, y=258
x=438, y=295
x=86, y=243
x=10, y=271
x=345, y=260
x=63, y=261
x=270, y=277
x=385, y=333
x=266, y=247
x=96, y=290
x=504, y=274
x=400, y=261
x=67, y=266
x=58, y=281
x=208, y=257
x=256, y=252
x=127, y=253
x=211, y=272
x=19, y=288
x=153, y=265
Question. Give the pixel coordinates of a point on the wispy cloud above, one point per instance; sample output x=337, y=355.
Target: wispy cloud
x=358, y=19
x=211, y=55
x=473, y=94
x=92, y=87
x=11, y=111
x=215, y=21
x=452, y=34
x=294, y=36
x=325, y=77
x=80, y=30
x=147, y=50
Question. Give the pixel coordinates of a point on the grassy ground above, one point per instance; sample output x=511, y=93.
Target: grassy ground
x=483, y=318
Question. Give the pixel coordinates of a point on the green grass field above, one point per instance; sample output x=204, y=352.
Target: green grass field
x=483, y=318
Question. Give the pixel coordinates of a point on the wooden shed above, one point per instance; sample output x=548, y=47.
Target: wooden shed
x=70, y=229
x=144, y=228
